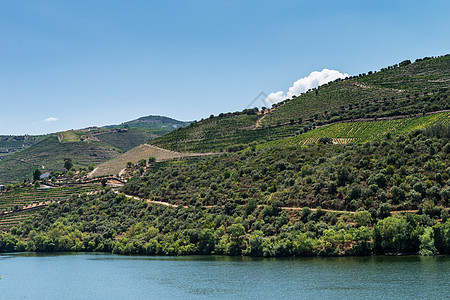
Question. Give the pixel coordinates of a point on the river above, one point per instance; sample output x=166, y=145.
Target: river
x=106, y=276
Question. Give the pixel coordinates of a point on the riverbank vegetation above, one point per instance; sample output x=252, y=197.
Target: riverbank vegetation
x=389, y=195
x=118, y=224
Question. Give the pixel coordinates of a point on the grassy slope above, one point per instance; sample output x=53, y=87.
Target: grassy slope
x=418, y=87
x=115, y=165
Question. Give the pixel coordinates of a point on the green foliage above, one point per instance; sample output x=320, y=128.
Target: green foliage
x=17, y=197
x=129, y=226
x=393, y=235
x=427, y=243
x=363, y=218
x=68, y=164
x=37, y=174
x=375, y=175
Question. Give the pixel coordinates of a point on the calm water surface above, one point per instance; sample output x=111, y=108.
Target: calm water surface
x=105, y=276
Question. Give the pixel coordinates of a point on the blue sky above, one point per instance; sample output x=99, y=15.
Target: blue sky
x=105, y=62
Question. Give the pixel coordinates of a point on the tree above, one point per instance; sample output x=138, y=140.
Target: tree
x=142, y=162
x=68, y=163
x=36, y=175
x=379, y=179
x=251, y=206
x=363, y=218
x=384, y=211
x=236, y=233
x=427, y=246
x=392, y=235
x=256, y=243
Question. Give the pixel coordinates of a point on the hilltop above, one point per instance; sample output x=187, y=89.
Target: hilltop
x=159, y=122
x=405, y=89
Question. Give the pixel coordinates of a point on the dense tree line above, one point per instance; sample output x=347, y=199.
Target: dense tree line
x=115, y=223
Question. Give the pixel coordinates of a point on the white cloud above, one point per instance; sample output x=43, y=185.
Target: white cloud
x=51, y=119
x=302, y=85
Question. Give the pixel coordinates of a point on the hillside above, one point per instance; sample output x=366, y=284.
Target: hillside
x=362, y=131
x=357, y=167
x=87, y=146
x=48, y=155
x=381, y=197
x=407, y=89
x=226, y=132
x=10, y=144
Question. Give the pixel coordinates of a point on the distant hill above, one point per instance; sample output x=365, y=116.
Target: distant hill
x=158, y=122
x=405, y=89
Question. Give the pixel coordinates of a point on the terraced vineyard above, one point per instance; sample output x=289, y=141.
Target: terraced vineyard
x=342, y=133
x=424, y=75
x=118, y=139
x=213, y=134
x=222, y=134
x=421, y=86
x=409, y=89
x=13, y=202
x=333, y=97
x=11, y=220
x=123, y=141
